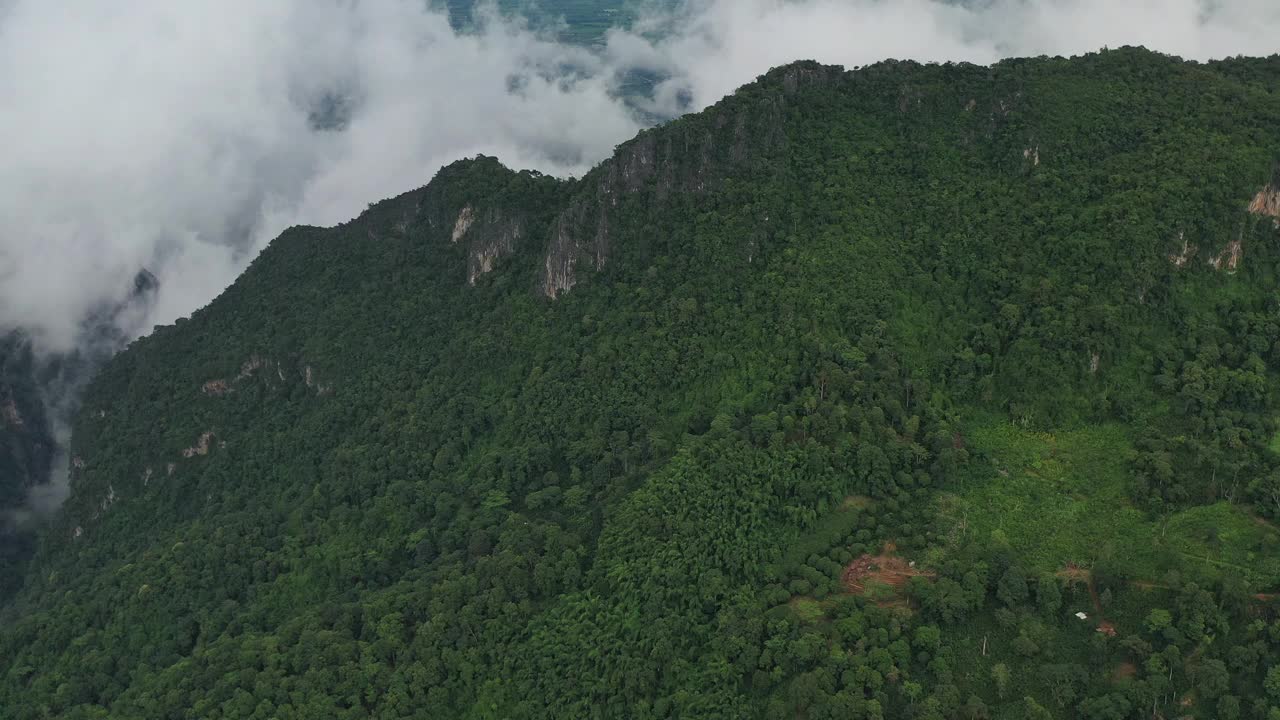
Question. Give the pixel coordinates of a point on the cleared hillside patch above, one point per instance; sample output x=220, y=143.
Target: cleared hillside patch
x=1063, y=498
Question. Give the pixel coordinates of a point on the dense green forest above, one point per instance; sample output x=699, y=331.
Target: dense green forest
x=904, y=392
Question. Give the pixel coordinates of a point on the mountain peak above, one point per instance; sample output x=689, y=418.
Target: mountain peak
x=836, y=371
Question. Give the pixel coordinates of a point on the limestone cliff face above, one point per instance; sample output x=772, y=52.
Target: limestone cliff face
x=475, y=205
x=690, y=157
x=1229, y=258
x=488, y=236
x=1267, y=201
x=569, y=246
x=465, y=218
x=10, y=415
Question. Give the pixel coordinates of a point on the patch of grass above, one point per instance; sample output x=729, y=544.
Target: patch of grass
x=808, y=610
x=1063, y=497
x=881, y=592
x=1225, y=537
x=856, y=502
x=1055, y=498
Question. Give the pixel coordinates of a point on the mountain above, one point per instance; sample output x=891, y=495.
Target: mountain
x=39, y=394
x=912, y=391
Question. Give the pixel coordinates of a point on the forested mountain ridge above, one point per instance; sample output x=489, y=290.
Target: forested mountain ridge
x=838, y=399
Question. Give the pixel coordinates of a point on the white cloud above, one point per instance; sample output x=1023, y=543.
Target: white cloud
x=176, y=136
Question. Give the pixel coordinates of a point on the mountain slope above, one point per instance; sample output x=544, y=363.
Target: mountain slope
x=764, y=416
x=39, y=393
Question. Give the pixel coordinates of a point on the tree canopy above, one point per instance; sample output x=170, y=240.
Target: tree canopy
x=840, y=399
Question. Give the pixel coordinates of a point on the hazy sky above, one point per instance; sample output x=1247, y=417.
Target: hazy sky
x=179, y=136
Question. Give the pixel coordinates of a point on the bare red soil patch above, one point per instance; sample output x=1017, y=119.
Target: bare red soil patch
x=887, y=568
